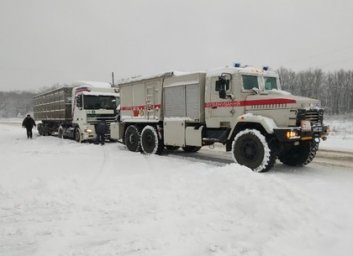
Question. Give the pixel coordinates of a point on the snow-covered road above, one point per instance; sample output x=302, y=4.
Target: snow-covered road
x=58, y=197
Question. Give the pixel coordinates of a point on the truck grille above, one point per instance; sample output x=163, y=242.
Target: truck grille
x=315, y=116
x=108, y=118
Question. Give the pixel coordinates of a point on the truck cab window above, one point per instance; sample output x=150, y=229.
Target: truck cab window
x=270, y=83
x=250, y=82
x=222, y=85
x=100, y=102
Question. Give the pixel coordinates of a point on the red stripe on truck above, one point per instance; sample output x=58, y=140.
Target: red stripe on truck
x=141, y=107
x=242, y=103
x=221, y=104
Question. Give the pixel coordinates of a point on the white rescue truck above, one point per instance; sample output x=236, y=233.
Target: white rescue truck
x=243, y=108
x=73, y=111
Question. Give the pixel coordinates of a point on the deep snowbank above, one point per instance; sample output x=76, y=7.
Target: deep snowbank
x=58, y=197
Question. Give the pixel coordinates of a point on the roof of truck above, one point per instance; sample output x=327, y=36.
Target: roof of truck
x=95, y=84
x=166, y=74
x=241, y=69
x=210, y=72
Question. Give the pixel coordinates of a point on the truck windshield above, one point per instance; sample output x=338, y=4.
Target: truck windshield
x=270, y=83
x=250, y=82
x=99, y=102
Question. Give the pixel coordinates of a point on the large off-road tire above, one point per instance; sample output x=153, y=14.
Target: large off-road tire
x=191, y=149
x=78, y=137
x=251, y=149
x=132, y=138
x=150, y=141
x=300, y=155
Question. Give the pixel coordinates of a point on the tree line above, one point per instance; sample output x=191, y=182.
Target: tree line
x=334, y=89
x=15, y=103
x=20, y=103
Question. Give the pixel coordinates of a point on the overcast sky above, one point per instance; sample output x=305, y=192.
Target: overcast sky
x=43, y=42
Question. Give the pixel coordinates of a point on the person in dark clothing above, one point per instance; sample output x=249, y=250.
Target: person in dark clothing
x=101, y=129
x=28, y=123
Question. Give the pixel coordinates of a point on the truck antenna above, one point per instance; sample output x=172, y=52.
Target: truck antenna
x=112, y=79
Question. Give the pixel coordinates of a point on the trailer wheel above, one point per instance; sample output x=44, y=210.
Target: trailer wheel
x=78, y=135
x=251, y=149
x=132, y=138
x=191, y=149
x=40, y=129
x=300, y=155
x=150, y=142
x=61, y=132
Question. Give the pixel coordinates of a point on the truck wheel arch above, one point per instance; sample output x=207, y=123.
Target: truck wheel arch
x=261, y=123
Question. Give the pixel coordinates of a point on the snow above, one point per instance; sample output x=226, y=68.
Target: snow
x=341, y=135
x=59, y=197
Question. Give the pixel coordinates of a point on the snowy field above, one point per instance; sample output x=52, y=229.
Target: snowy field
x=61, y=198
x=341, y=136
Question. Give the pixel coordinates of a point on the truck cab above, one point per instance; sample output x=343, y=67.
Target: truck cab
x=249, y=98
x=89, y=106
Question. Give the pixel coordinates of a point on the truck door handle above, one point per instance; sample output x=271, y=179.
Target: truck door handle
x=214, y=107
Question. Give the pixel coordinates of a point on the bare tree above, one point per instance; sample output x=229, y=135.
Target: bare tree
x=334, y=89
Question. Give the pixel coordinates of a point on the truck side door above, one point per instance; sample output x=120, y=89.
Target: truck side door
x=220, y=105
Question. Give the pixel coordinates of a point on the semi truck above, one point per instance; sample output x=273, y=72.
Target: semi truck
x=241, y=107
x=73, y=111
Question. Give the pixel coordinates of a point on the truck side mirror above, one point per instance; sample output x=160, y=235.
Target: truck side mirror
x=79, y=102
x=222, y=85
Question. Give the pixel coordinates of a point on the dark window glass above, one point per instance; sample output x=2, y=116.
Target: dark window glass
x=250, y=82
x=270, y=83
x=99, y=102
x=222, y=83
x=79, y=101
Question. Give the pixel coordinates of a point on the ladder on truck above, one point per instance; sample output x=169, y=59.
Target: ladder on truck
x=150, y=103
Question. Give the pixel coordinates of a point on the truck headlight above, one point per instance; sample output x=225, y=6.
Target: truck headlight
x=87, y=130
x=292, y=135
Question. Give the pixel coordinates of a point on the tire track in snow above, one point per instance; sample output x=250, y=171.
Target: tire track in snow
x=74, y=226
x=221, y=158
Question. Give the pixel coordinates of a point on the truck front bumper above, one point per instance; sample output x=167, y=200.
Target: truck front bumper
x=300, y=134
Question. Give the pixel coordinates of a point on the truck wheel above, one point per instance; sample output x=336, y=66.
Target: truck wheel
x=61, y=132
x=300, y=155
x=191, y=149
x=78, y=135
x=251, y=149
x=40, y=129
x=132, y=138
x=45, y=130
x=150, y=143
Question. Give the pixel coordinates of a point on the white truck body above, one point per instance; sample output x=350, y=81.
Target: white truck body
x=197, y=109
